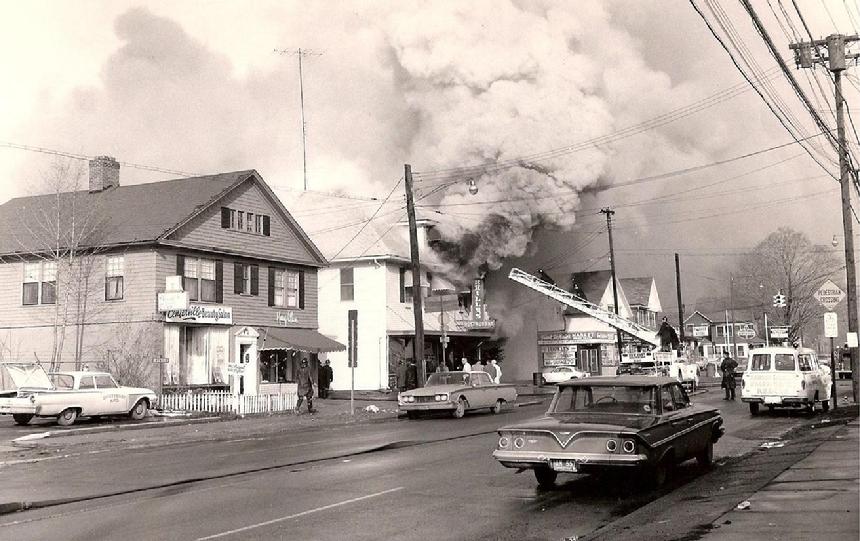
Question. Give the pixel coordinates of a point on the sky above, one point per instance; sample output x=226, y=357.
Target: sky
x=578, y=106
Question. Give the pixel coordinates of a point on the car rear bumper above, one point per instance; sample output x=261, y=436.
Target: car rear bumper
x=779, y=400
x=29, y=409
x=534, y=459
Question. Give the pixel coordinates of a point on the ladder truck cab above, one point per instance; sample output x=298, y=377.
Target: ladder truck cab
x=656, y=362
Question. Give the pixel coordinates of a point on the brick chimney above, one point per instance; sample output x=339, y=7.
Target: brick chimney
x=104, y=173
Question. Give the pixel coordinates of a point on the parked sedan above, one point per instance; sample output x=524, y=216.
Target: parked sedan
x=457, y=392
x=75, y=394
x=639, y=423
x=557, y=374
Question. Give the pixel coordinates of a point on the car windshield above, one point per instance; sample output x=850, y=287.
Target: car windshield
x=620, y=399
x=447, y=378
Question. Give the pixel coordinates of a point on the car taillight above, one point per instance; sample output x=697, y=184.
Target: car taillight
x=743, y=383
x=504, y=442
x=628, y=446
x=803, y=385
x=32, y=399
x=519, y=442
x=611, y=446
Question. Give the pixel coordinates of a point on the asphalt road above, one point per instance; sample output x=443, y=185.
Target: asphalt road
x=402, y=479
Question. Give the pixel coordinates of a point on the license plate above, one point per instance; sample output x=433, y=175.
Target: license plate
x=772, y=400
x=564, y=465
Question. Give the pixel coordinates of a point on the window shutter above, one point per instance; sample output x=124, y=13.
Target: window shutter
x=402, y=284
x=266, y=231
x=219, y=280
x=271, y=286
x=107, y=290
x=225, y=218
x=255, y=280
x=238, y=275
x=301, y=290
x=180, y=265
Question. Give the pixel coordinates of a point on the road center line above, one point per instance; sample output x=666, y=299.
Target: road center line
x=303, y=513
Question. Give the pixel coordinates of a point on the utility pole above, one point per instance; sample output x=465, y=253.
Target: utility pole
x=300, y=53
x=732, y=306
x=680, y=304
x=418, y=344
x=835, y=56
x=609, y=212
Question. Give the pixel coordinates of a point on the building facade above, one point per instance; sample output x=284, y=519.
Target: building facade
x=370, y=277
x=204, y=282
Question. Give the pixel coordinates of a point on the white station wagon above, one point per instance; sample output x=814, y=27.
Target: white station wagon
x=74, y=394
x=784, y=376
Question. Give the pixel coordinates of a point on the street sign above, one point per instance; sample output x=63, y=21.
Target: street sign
x=779, y=332
x=851, y=339
x=700, y=331
x=829, y=295
x=831, y=328
x=444, y=339
x=161, y=360
x=352, y=342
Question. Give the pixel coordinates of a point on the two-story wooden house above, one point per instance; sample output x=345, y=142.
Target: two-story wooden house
x=367, y=244
x=81, y=272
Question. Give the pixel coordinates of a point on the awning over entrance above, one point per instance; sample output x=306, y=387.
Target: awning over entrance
x=275, y=338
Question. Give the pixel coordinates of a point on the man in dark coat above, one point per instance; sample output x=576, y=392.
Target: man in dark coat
x=326, y=375
x=411, y=375
x=401, y=376
x=727, y=369
x=305, y=387
x=668, y=336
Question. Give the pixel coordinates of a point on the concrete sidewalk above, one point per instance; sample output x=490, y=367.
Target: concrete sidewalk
x=816, y=498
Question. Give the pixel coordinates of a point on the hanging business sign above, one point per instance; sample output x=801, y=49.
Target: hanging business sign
x=478, y=317
x=548, y=338
x=700, y=331
x=558, y=355
x=200, y=313
x=283, y=318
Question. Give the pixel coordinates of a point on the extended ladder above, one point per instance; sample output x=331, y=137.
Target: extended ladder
x=643, y=333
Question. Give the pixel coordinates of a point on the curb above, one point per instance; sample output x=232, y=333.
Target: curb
x=112, y=428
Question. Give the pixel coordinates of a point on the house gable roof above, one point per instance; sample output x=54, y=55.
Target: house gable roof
x=642, y=291
x=133, y=214
x=594, y=286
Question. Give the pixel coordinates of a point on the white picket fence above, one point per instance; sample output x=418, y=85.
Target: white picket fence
x=226, y=402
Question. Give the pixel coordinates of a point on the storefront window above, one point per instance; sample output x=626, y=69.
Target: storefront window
x=274, y=367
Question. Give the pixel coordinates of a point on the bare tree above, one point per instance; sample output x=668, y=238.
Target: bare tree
x=64, y=231
x=130, y=352
x=787, y=261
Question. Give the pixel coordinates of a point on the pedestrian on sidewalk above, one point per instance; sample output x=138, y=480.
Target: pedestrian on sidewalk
x=325, y=377
x=727, y=368
x=401, y=376
x=305, y=387
x=466, y=366
x=495, y=371
x=411, y=375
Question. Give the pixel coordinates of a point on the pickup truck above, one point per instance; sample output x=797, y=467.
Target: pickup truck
x=69, y=395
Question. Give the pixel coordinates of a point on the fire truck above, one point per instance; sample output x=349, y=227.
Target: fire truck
x=659, y=363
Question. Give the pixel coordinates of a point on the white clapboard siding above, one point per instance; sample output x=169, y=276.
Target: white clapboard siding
x=225, y=402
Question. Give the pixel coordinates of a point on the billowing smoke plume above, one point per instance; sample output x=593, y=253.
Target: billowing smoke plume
x=504, y=90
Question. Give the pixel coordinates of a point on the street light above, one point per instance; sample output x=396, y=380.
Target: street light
x=473, y=187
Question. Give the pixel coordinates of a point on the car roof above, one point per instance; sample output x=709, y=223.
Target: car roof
x=607, y=381
x=780, y=349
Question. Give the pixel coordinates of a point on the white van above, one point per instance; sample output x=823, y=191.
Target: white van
x=784, y=376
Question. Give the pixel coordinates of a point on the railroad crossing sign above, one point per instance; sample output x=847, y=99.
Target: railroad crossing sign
x=829, y=295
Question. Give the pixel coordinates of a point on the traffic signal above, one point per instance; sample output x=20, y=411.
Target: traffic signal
x=779, y=300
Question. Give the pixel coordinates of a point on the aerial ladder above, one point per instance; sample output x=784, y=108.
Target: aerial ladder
x=683, y=370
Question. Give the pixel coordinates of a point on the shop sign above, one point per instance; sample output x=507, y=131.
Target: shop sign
x=700, y=331
x=747, y=331
x=196, y=313
x=478, y=317
x=172, y=300
x=282, y=318
x=558, y=355
x=576, y=337
x=779, y=332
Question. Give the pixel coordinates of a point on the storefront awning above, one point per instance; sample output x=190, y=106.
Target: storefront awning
x=280, y=338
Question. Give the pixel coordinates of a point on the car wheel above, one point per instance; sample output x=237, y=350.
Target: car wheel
x=753, y=408
x=138, y=412
x=412, y=414
x=461, y=408
x=659, y=474
x=67, y=417
x=498, y=407
x=21, y=418
x=825, y=405
x=706, y=457
x=545, y=476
